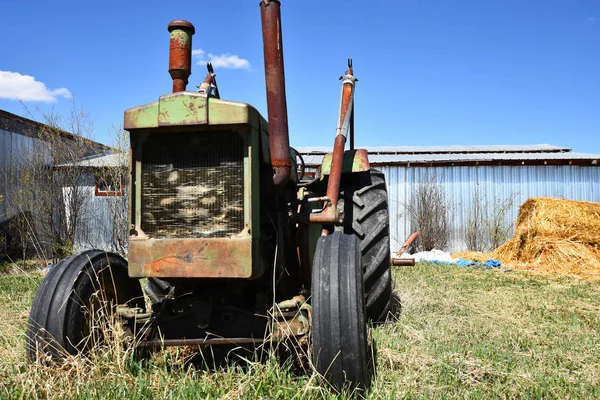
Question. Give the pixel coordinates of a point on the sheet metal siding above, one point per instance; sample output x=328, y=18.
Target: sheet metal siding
x=494, y=182
x=13, y=148
x=98, y=218
x=315, y=160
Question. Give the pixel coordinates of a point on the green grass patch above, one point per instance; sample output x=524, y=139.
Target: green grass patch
x=460, y=333
x=21, y=266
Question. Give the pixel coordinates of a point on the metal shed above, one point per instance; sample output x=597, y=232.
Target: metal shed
x=103, y=220
x=22, y=140
x=495, y=172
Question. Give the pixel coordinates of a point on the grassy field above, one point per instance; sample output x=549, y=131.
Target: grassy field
x=461, y=333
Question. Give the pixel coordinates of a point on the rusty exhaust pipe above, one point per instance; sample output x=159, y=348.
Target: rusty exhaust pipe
x=337, y=157
x=180, y=53
x=345, y=114
x=279, y=139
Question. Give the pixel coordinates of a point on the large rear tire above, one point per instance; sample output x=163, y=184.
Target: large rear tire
x=69, y=299
x=371, y=223
x=339, y=329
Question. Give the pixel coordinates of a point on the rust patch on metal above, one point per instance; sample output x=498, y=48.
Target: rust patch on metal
x=292, y=318
x=335, y=174
x=354, y=161
x=360, y=161
x=406, y=262
x=180, y=53
x=275, y=81
x=191, y=258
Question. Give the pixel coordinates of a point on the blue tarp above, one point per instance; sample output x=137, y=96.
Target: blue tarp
x=461, y=262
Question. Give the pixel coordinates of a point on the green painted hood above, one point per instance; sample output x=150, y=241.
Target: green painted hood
x=191, y=108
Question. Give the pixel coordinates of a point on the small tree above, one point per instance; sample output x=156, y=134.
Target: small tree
x=488, y=224
x=475, y=230
x=46, y=205
x=429, y=211
x=498, y=225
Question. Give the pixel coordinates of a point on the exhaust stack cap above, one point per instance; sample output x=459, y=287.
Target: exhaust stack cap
x=180, y=53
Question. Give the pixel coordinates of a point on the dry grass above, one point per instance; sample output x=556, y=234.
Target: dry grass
x=473, y=255
x=461, y=333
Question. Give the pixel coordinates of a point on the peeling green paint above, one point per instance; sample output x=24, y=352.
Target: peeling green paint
x=190, y=108
x=141, y=117
x=181, y=36
x=182, y=110
x=354, y=161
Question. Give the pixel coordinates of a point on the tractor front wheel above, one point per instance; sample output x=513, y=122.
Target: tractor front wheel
x=73, y=298
x=339, y=329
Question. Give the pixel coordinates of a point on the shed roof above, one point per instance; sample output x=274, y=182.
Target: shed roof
x=463, y=155
x=13, y=123
x=99, y=161
x=499, y=148
x=407, y=155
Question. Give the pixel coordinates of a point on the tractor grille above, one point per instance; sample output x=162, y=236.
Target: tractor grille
x=193, y=185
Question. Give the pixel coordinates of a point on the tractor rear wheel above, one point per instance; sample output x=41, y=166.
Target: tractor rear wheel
x=72, y=300
x=339, y=331
x=371, y=223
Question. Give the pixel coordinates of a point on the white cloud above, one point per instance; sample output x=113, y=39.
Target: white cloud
x=593, y=19
x=15, y=86
x=225, y=60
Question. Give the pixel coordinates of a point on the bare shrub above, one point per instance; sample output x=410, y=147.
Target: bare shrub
x=429, y=211
x=497, y=223
x=488, y=224
x=475, y=230
x=45, y=204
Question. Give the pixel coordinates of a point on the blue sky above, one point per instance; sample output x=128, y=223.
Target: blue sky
x=430, y=72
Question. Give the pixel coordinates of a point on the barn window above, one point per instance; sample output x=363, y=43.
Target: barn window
x=109, y=186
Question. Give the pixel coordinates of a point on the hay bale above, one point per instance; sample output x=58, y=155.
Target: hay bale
x=555, y=235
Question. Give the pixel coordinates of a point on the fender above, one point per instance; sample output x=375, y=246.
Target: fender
x=354, y=161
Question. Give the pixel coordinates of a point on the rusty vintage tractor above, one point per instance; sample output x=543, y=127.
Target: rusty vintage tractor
x=235, y=246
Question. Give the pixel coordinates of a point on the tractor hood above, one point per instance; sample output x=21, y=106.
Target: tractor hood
x=191, y=108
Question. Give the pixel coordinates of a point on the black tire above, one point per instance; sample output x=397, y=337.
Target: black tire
x=60, y=315
x=339, y=331
x=371, y=223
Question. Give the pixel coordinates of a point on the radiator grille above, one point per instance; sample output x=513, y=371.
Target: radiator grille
x=193, y=185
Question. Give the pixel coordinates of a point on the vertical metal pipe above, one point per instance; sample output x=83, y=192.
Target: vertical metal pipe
x=180, y=53
x=337, y=158
x=352, y=128
x=276, y=101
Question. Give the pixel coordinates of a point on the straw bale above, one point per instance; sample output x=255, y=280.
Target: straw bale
x=560, y=218
x=555, y=235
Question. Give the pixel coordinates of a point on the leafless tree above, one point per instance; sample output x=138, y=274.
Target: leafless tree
x=429, y=211
x=498, y=225
x=46, y=203
x=476, y=230
x=488, y=224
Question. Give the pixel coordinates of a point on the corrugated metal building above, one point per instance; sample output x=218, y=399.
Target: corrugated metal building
x=103, y=223
x=494, y=172
x=19, y=138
